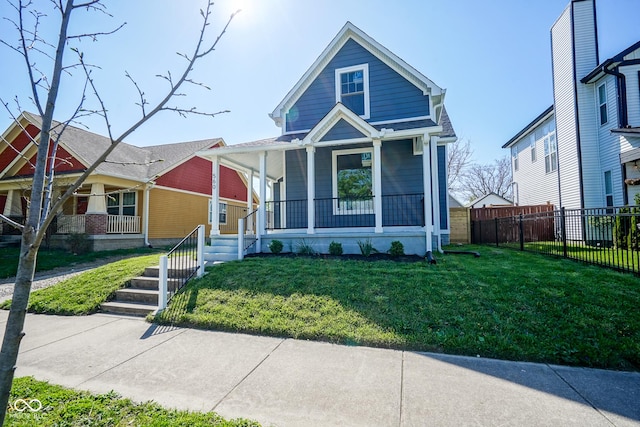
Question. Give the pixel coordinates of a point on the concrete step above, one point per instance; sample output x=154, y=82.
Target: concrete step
x=226, y=249
x=212, y=257
x=143, y=296
x=173, y=272
x=128, y=308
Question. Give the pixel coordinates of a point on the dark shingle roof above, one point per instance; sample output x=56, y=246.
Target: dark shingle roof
x=447, y=127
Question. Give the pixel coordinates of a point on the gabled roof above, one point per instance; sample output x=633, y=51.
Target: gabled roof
x=126, y=161
x=535, y=122
x=337, y=113
x=351, y=32
x=627, y=55
x=486, y=196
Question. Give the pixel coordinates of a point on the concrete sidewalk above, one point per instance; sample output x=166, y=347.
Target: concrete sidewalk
x=286, y=382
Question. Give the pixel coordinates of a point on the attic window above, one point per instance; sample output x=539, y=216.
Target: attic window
x=352, y=88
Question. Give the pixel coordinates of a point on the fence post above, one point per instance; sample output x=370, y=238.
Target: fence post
x=200, y=255
x=496, y=227
x=241, y=238
x=521, y=231
x=162, y=288
x=563, y=231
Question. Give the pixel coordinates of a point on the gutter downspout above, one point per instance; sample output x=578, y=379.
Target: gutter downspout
x=148, y=187
x=623, y=119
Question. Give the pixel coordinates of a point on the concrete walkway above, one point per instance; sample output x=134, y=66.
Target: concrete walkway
x=286, y=382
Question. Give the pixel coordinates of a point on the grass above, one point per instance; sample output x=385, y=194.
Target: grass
x=66, y=407
x=83, y=294
x=48, y=259
x=506, y=304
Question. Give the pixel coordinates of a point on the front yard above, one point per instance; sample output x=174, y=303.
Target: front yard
x=505, y=304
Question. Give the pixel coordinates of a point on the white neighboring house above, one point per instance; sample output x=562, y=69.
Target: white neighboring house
x=584, y=150
x=491, y=199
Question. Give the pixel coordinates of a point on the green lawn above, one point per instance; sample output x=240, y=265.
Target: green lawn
x=506, y=304
x=49, y=259
x=83, y=294
x=65, y=407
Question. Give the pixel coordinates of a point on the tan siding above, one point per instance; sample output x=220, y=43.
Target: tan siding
x=174, y=214
x=460, y=225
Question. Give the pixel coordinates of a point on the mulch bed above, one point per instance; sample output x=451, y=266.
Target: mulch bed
x=372, y=257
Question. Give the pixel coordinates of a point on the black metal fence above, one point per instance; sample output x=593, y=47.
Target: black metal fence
x=182, y=263
x=397, y=210
x=608, y=237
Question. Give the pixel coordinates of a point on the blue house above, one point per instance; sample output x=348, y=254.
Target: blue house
x=361, y=156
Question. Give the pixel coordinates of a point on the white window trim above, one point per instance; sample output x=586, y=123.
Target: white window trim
x=607, y=195
x=553, y=165
x=600, y=104
x=516, y=162
x=120, y=203
x=534, y=152
x=365, y=77
x=334, y=180
x=210, y=213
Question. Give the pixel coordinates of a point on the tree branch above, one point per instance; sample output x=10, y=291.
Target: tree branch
x=11, y=222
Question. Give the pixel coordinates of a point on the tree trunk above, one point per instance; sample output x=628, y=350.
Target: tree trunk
x=14, y=330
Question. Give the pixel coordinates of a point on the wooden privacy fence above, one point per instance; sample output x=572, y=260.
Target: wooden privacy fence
x=537, y=224
x=460, y=225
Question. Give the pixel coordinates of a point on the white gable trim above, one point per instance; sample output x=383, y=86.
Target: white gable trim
x=350, y=31
x=338, y=112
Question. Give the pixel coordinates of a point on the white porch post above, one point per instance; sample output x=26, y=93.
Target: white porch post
x=249, y=200
x=435, y=189
x=377, y=184
x=12, y=206
x=262, y=213
x=426, y=183
x=311, y=189
x=97, y=200
x=215, y=196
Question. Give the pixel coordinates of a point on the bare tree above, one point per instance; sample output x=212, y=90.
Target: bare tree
x=458, y=161
x=480, y=180
x=45, y=89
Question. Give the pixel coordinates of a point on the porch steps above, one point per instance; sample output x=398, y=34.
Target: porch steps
x=222, y=248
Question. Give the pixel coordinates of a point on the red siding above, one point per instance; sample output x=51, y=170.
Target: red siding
x=19, y=143
x=195, y=175
x=65, y=162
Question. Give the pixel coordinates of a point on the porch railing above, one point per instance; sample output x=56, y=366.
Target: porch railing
x=67, y=224
x=248, y=237
x=123, y=224
x=397, y=210
x=180, y=264
x=229, y=220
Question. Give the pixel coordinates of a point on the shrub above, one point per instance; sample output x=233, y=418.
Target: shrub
x=275, y=246
x=304, y=248
x=79, y=243
x=397, y=249
x=335, y=248
x=366, y=247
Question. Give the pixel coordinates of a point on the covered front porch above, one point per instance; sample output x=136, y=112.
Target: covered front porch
x=382, y=185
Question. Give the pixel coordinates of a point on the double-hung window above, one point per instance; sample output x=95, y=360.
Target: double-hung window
x=122, y=203
x=353, y=181
x=532, y=142
x=222, y=212
x=550, y=153
x=602, y=103
x=352, y=88
x=514, y=154
x=608, y=188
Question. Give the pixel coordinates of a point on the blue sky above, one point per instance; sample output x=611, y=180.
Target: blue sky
x=493, y=58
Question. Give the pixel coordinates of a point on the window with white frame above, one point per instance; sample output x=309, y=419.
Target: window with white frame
x=608, y=188
x=222, y=212
x=514, y=154
x=550, y=153
x=352, y=88
x=122, y=203
x=602, y=103
x=353, y=181
x=532, y=142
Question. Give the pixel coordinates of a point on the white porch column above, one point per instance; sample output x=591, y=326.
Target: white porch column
x=97, y=200
x=12, y=206
x=262, y=213
x=377, y=184
x=311, y=189
x=435, y=189
x=426, y=183
x=250, y=200
x=215, y=196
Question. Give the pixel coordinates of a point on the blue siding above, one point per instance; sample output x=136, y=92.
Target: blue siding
x=296, y=188
x=342, y=130
x=401, y=175
x=442, y=186
x=391, y=96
